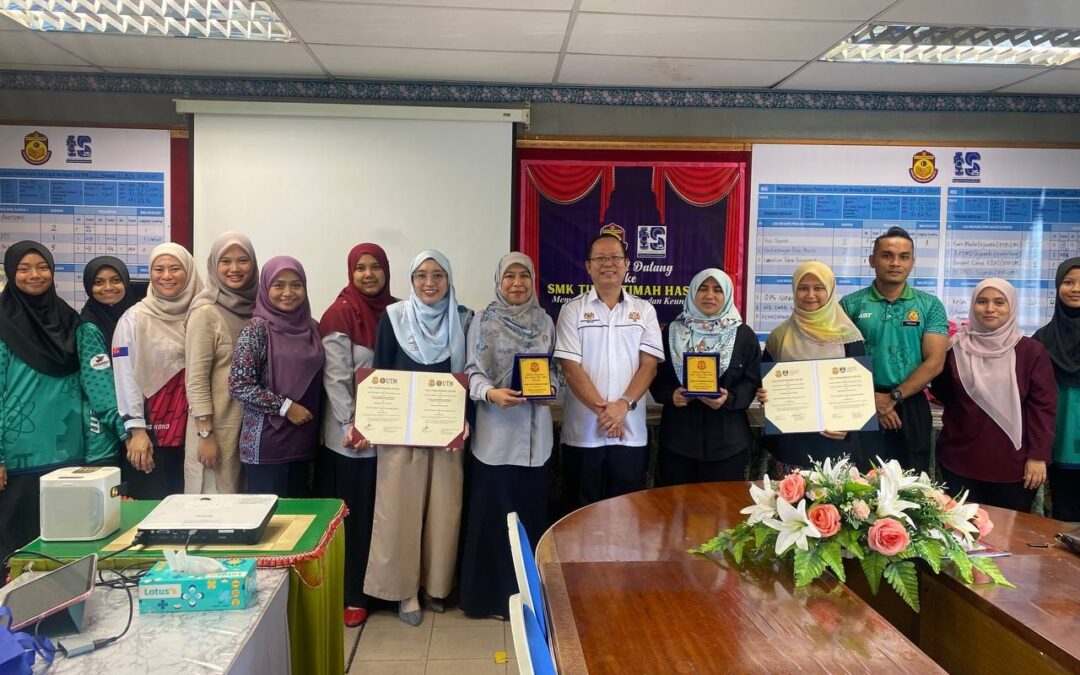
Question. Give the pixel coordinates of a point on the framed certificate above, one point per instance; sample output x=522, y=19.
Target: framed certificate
x=399, y=407
x=826, y=394
x=701, y=375
x=532, y=376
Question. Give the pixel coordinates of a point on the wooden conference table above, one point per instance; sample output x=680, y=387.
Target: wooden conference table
x=624, y=596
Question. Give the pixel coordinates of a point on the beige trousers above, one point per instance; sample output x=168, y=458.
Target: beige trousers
x=414, y=540
x=225, y=479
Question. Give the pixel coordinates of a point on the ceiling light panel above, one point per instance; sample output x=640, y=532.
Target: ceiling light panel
x=963, y=45
x=217, y=19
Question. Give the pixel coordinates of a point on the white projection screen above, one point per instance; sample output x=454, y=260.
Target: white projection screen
x=312, y=187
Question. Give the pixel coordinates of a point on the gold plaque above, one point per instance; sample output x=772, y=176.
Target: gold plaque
x=533, y=376
x=700, y=370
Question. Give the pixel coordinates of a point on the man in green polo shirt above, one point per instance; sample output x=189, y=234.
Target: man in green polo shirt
x=907, y=335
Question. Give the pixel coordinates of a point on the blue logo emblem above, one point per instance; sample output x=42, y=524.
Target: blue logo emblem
x=966, y=167
x=78, y=149
x=652, y=241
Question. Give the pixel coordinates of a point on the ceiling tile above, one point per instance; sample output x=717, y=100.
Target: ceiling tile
x=432, y=28
x=436, y=64
x=823, y=76
x=1035, y=13
x=30, y=48
x=646, y=71
x=190, y=55
x=822, y=10
x=627, y=35
x=1061, y=81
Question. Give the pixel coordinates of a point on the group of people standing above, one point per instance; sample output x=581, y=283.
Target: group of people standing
x=229, y=384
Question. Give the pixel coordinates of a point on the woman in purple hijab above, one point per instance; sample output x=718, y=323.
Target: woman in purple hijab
x=277, y=375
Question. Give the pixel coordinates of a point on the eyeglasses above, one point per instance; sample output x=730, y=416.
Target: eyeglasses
x=605, y=259
x=435, y=277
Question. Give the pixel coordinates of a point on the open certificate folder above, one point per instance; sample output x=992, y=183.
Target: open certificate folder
x=826, y=394
x=397, y=407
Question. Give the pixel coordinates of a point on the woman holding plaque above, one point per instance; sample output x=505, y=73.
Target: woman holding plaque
x=513, y=437
x=1061, y=337
x=216, y=317
x=817, y=329
x=414, y=541
x=346, y=468
x=276, y=375
x=704, y=435
x=1000, y=397
x=149, y=369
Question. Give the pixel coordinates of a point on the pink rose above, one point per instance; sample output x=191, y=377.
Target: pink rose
x=943, y=500
x=872, y=473
x=860, y=509
x=825, y=518
x=983, y=522
x=887, y=536
x=792, y=488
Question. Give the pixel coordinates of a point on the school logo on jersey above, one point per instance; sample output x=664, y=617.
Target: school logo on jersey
x=923, y=169
x=912, y=318
x=100, y=362
x=119, y=351
x=588, y=316
x=36, y=148
x=634, y=316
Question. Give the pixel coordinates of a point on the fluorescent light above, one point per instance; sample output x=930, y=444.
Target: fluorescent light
x=220, y=19
x=881, y=43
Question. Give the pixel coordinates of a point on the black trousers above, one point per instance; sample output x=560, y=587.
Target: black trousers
x=288, y=479
x=608, y=471
x=20, y=512
x=1003, y=495
x=676, y=469
x=166, y=479
x=352, y=480
x=910, y=445
x=1065, y=493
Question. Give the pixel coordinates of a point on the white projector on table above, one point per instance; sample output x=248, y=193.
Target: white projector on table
x=80, y=503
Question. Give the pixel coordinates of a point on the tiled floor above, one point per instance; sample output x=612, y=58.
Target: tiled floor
x=444, y=644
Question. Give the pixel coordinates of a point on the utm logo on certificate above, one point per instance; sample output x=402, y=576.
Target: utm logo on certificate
x=36, y=148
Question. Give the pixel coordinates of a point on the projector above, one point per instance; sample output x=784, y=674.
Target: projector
x=80, y=503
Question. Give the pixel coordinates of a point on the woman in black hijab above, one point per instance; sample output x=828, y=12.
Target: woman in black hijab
x=41, y=425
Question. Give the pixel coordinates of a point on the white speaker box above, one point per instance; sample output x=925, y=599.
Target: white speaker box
x=80, y=503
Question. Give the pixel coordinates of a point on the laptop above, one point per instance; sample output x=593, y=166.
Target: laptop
x=217, y=519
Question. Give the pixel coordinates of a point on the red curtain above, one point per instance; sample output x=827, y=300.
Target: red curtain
x=564, y=184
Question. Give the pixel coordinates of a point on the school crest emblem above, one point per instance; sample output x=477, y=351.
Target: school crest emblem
x=923, y=169
x=634, y=316
x=614, y=230
x=36, y=148
x=913, y=315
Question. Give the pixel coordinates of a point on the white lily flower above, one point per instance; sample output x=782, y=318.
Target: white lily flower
x=794, y=526
x=830, y=474
x=893, y=470
x=958, y=519
x=889, y=503
x=764, y=502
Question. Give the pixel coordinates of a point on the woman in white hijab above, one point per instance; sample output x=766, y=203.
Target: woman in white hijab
x=1000, y=398
x=148, y=367
x=414, y=540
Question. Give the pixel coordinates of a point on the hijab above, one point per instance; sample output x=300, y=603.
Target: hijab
x=430, y=333
x=506, y=330
x=813, y=334
x=693, y=331
x=159, y=331
x=294, y=354
x=986, y=362
x=1061, y=336
x=241, y=301
x=98, y=313
x=354, y=313
x=39, y=329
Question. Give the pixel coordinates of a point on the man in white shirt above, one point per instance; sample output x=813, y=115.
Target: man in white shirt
x=609, y=345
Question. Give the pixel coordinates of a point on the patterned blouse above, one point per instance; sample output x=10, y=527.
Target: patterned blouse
x=247, y=384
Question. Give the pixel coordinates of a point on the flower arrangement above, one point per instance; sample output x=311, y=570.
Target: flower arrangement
x=886, y=518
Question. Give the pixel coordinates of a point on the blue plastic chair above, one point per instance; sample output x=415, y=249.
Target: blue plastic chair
x=530, y=646
x=528, y=575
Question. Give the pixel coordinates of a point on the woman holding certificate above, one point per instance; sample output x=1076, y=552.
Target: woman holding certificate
x=276, y=375
x=999, y=395
x=513, y=436
x=817, y=329
x=414, y=539
x=707, y=380
x=1061, y=337
x=346, y=468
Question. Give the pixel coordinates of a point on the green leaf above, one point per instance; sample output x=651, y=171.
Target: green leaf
x=963, y=562
x=849, y=539
x=762, y=534
x=858, y=488
x=873, y=565
x=830, y=553
x=905, y=581
x=737, y=550
x=930, y=551
x=808, y=565
x=990, y=569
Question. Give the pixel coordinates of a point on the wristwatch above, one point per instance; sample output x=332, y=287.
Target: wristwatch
x=896, y=395
x=205, y=433
x=631, y=403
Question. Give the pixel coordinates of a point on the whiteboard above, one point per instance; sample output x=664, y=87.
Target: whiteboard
x=313, y=188
x=972, y=212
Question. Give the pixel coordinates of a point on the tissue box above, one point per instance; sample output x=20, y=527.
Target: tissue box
x=162, y=590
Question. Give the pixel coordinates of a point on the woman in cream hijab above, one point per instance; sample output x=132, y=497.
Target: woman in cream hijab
x=817, y=329
x=148, y=367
